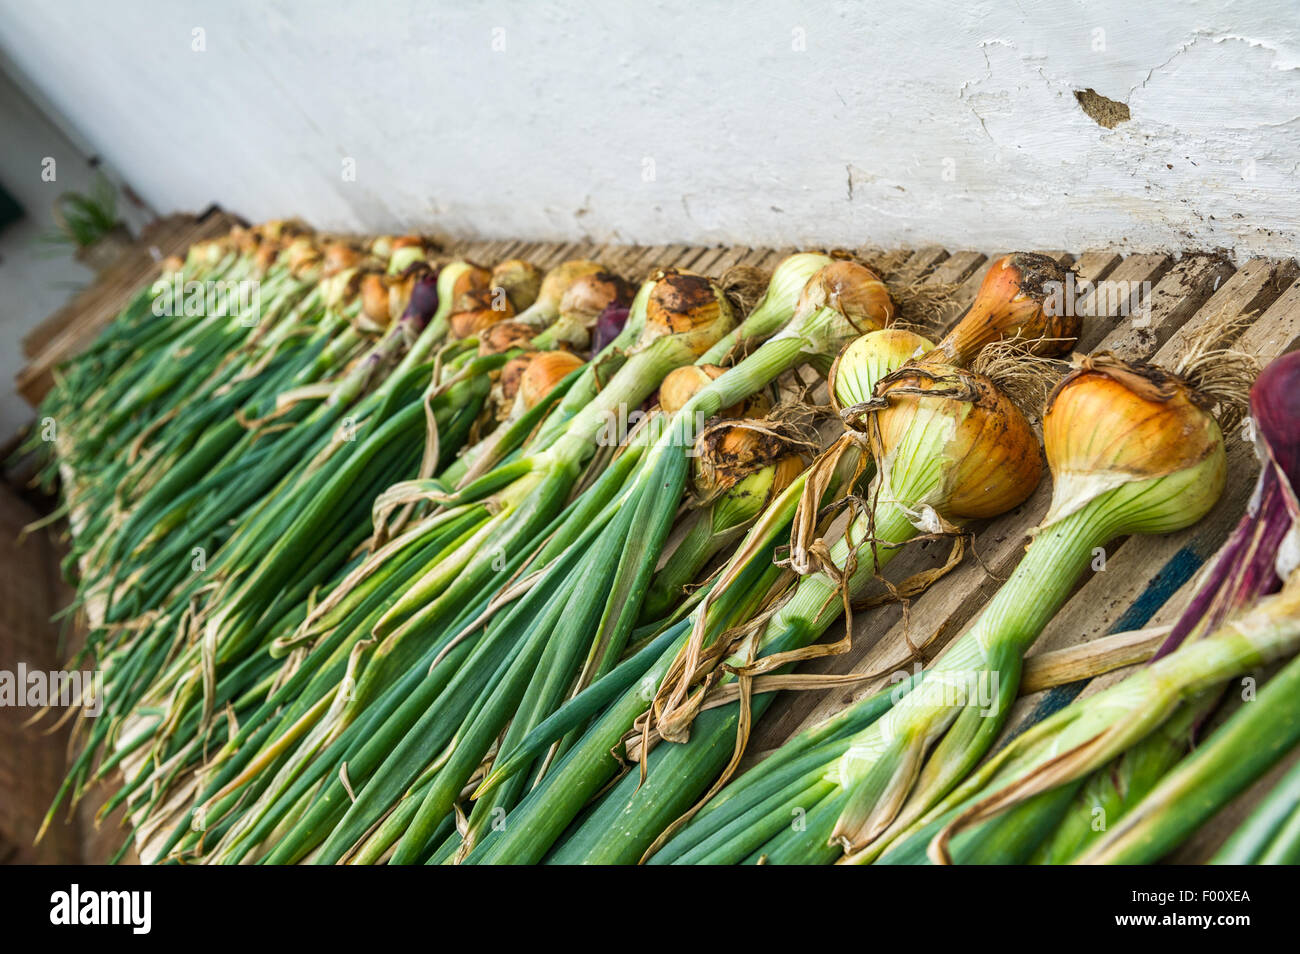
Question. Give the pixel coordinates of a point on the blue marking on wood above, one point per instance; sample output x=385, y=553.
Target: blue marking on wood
x=1180, y=568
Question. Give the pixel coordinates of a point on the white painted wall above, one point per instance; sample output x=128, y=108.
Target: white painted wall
x=766, y=122
x=35, y=279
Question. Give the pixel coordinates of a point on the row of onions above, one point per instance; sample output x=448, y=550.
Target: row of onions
x=382, y=577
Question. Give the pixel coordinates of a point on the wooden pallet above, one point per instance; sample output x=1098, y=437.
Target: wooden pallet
x=1147, y=580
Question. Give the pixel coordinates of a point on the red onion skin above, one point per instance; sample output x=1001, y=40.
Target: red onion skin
x=1275, y=406
x=424, y=301
x=608, y=326
x=1245, y=567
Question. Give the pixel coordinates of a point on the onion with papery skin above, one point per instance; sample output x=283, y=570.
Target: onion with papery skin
x=987, y=454
x=684, y=383
x=511, y=375
x=479, y=309
x=374, y=298
x=853, y=291
x=1018, y=299
x=423, y=299
x=583, y=304
x=728, y=454
x=501, y=336
x=1109, y=424
x=302, y=255
x=521, y=281
x=557, y=281
x=686, y=306
x=340, y=256
x=544, y=372
x=401, y=286
x=745, y=498
x=406, y=251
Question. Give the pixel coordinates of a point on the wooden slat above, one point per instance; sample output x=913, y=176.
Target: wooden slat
x=919, y=266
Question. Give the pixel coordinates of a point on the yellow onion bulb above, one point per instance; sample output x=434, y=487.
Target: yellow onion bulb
x=966, y=453
x=502, y=336
x=869, y=358
x=853, y=291
x=1021, y=297
x=302, y=255
x=374, y=298
x=727, y=454
x=748, y=497
x=477, y=310
x=687, y=307
x=264, y=256
x=546, y=370
x=786, y=285
x=1138, y=433
x=340, y=256
x=591, y=294
x=682, y=384
x=277, y=230
x=512, y=374
x=406, y=251
x=557, y=281
x=521, y=281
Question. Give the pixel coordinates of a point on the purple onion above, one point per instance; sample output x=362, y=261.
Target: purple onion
x=608, y=326
x=424, y=300
x=1245, y=567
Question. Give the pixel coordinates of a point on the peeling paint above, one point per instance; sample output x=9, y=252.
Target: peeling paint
x=829, y=125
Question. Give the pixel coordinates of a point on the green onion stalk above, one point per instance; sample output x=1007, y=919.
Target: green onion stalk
x=604, y=712
x=1090, y=732
x=184, y=467
x=149, y=665
x=1250, y=564
x=328, y=613
x=642, y=813
x=948, y=448
x=122, y=509
x=210, y=353
x=209, y=329
x=132, y=333
x=1271, y=834
x=343, y=611
x=595, y=587
x=685, y=315
x=734, y=484
x=625, y=823
x=1150, y=460
x=754, y=326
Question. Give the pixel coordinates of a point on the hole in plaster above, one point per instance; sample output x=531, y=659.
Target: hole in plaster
x=1104, y=112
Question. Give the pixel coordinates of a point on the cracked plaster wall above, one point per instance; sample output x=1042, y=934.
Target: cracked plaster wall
x=761, y=123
